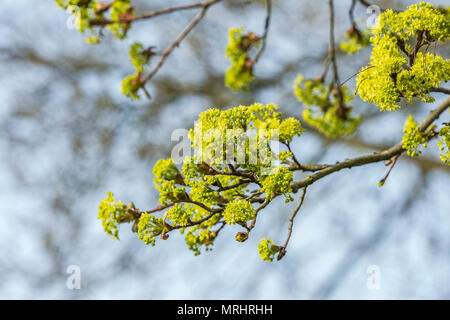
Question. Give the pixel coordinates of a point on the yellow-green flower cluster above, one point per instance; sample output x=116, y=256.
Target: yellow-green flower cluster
x=312, y=92
x=412, y=138
x=149, y=228
x=240, y=74
x=139, y=56
x=329, y=124
x=278, y=182
x=285, y=155
x=179, y=215
x=428, y=71
x=166, y=179
x=89, y=13
x=201, y=235
x=118, y=9
x=111, y=213
x=267, y=249
x=238, y=212
x=329, y=115
x=203, y=197
x=397, y=69
x=196, y=238
x=131, y=85
x=139, y=59
x=355, y=40
x=289, y=128
x=193, y=184
x=444, y=144
x=211, y=133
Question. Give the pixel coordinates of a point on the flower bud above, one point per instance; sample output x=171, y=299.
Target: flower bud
x=241, y=236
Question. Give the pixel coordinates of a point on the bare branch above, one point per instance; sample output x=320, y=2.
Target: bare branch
x=266, y=30
x=262, y=206
x=332, y=50
x=129, y=18
x=441, y=90
x=177, y=41
x=351, y=13
x=291, y=225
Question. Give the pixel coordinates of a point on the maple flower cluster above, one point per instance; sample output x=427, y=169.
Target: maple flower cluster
x=206, y=194
x=397, y=68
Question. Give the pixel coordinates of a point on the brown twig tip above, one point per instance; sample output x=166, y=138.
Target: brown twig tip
x=392, y=163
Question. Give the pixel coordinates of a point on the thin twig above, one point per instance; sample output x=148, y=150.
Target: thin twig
x=262, y=206
x=178, y=40
x=392, y=162
x=346, y=80
x=288, y=145
x=129, y=18
x=351, y=13
x=332, y=54
x=266, y=30
x=296, y=165
x=282, y=252
x=233, y=186
x=332, y=49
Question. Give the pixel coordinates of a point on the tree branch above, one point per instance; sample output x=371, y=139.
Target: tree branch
x=177, y=41
x=366, y=159
x=291, y=225
x=332, y=50
x=266, y=30
x=441, y=90
x=128, y=18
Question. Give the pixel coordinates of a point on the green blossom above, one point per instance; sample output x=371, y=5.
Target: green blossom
x=355, y=40
x=444, y=144
x=190, y=197
x=325, y=109
x=267, y=249
x=131, y=85
x=398, y=70
x=311, y=92
x=138, y=58
x=149, y=228
x=179, y=215
x=88, y=11
x=240, y=74
x=412, y=138
x=278, y=182
x=120, y=8
x=239, y=211
x=111, y=213
x=211, y=134
x=196, y=238
x=289, y=128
